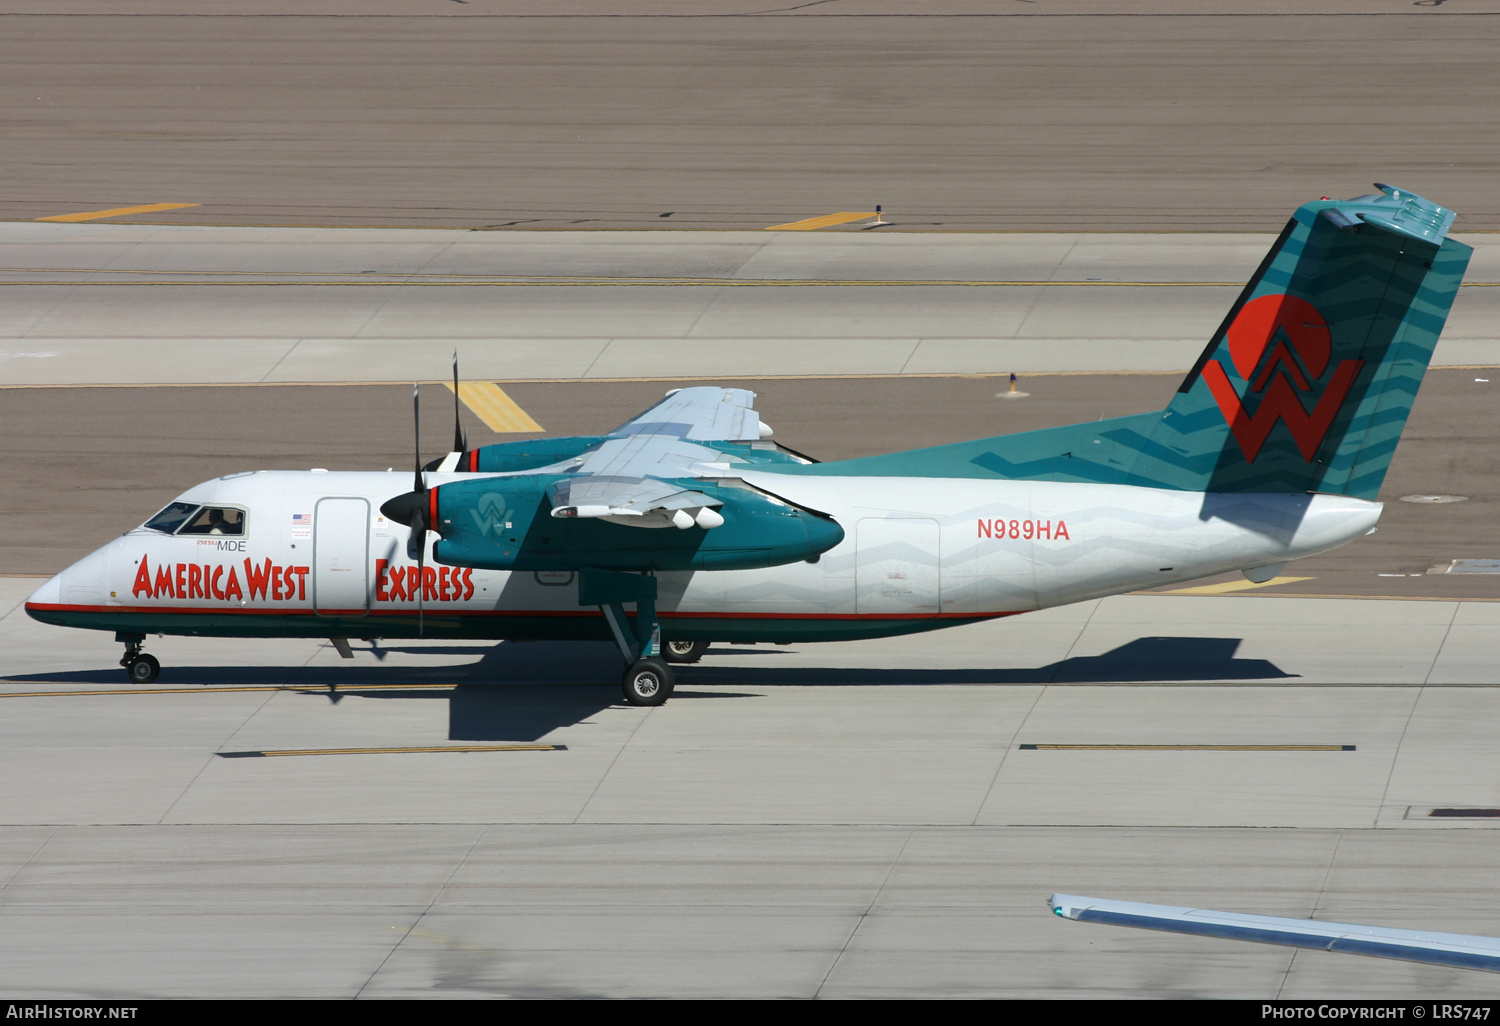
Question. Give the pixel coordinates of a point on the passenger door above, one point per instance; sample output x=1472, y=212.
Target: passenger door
x=341, y=554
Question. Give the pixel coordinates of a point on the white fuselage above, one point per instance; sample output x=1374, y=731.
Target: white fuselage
x=315, y=547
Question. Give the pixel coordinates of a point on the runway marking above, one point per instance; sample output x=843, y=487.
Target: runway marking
x=426, y=749
x=1187, y=748
x=94, y=215
x=826, y=221
x=213, y=689
x=1230, y=586
x=500, y=413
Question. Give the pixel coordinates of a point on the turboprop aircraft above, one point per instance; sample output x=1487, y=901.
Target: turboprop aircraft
x=1273, y=448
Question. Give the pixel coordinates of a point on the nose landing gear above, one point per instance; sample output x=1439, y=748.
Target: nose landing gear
x=141, y=668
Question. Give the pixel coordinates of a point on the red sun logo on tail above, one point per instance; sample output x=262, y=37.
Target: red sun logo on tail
x=1280, y=346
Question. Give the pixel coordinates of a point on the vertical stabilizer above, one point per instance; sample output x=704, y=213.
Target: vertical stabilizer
x=1308, y=382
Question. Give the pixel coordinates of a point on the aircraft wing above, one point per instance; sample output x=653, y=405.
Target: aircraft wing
x=1461, y=951
x=621, y=479
x=701, y=414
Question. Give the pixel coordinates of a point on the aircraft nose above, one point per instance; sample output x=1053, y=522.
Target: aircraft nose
x=48, y=595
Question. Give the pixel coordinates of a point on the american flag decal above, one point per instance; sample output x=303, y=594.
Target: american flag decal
x=301, y=519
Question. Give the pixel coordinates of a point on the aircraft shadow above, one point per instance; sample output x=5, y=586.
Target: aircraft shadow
x=1144, y=660
x=511, y=692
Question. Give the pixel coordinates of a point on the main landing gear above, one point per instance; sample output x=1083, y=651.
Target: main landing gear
x=684, y=651
x=648, y=680
x=142, y=668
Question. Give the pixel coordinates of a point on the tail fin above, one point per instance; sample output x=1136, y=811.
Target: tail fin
x=1308, y=382
x=1305, y=386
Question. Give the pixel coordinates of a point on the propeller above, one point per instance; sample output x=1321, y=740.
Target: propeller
x=460, y=437
x=413, y=509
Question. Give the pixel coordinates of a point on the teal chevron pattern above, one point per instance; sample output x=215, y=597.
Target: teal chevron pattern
x=1306, y=386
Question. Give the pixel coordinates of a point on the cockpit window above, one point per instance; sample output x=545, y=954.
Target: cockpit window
x=171, y=518
x=216, y=520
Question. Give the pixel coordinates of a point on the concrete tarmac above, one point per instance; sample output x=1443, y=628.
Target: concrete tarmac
x=125, y=304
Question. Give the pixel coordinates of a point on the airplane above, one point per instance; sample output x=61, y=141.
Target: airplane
x=1273, y=448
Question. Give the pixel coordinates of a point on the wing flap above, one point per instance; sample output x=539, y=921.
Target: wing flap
x=633, y=501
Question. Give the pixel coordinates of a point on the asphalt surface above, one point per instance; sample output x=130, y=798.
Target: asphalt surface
x=1063, y=117
x=92, y=462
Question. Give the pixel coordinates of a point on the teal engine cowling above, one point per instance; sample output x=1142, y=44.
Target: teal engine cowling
x=507, y=524
x=519, y=457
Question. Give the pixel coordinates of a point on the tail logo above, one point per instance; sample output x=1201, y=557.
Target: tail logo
x=1280, y=346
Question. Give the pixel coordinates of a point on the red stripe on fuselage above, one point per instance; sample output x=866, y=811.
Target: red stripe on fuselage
x=303, y=611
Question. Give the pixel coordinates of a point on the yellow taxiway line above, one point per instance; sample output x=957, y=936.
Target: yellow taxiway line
x=1229, y=586
x=273, y=753
x=94, y=215
x=826, y=221
x=490, y=404
x=213, y=689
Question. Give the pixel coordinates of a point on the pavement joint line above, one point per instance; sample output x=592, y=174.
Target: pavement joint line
x=1185, y=748
x=395, y=279
x=94, y=215
x=412, y=750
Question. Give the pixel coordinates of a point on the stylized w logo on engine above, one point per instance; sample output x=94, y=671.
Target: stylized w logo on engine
x=490, y=513
x=1295, y=335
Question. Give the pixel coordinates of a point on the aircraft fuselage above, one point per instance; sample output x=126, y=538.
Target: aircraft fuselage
x=317, y=559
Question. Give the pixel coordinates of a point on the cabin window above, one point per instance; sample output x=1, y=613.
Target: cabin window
x=216, y=520
x=171, y=518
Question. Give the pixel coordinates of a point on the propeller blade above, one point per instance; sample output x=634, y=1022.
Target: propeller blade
x=460, y=437
x=419, y=535
x=418, y=484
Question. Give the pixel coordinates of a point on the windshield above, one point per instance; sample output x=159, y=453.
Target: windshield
x=171, y=518
x=216, y=520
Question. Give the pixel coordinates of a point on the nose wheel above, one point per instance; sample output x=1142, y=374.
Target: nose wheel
x=140, y=667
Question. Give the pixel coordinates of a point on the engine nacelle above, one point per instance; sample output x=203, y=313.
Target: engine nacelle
x=506, y=524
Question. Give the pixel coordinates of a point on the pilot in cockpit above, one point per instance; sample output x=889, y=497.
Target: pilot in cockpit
x=216, y=521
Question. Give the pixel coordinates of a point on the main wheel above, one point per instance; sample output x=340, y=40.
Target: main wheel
x=143, y=669
x=684, y=651
x=647, y=682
